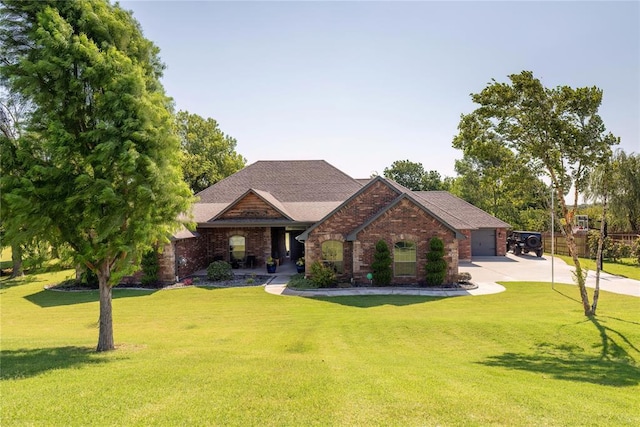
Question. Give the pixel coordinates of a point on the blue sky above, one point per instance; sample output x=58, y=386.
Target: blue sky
x=363, y=84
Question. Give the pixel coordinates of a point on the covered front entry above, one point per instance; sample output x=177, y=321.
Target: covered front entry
x=483, y=242
x=284, y=246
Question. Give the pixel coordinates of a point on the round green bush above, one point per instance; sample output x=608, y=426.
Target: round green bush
x=219, y=270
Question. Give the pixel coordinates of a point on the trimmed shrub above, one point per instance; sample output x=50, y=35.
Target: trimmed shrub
x=150, y=267
x=381, y=265
x=298, y=281
x=322, y=276
x=219, y=270
x=436, y=266
x=464, y=277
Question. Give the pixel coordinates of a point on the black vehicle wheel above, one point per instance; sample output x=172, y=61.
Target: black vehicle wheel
x=539, y=253
x=533, y=241
x=517, y=250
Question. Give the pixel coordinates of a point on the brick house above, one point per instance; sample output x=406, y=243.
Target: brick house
x=290, y=209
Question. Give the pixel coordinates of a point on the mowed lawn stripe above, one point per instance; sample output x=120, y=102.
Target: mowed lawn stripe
x=241, y=356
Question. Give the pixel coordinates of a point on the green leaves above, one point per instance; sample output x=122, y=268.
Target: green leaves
x=414, y=177
x=208, y=154
x=104, y=172
x=560, y=128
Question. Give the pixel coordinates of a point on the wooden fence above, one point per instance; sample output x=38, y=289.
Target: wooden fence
x=625, y=238
x=560, y=244
x=581, y=242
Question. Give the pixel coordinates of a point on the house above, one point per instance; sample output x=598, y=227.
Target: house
x=290, y=209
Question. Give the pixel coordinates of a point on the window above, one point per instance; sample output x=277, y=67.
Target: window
x=332, y=255
x=404, y=259
x=236, y=248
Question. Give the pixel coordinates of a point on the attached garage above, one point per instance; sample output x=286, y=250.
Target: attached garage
x=483, y=242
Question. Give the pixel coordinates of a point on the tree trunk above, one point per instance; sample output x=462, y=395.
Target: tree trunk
x=603, y=228
x=567, y=230
x=105, y=335
x=579, y=276
x=16, y=259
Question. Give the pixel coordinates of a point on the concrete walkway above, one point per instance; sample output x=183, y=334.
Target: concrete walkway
x=485, y=272
x=278, y=286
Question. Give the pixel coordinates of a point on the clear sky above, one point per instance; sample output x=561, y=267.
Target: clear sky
x=363, y=84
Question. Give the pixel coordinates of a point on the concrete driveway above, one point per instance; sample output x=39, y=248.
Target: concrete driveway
x=512, y=268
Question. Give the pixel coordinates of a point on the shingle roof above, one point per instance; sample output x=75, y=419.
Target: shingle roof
x=305, y=190
x=442, y=211
x=447, y=219
x=308, y=190
x=287, y=181
x=461, y=209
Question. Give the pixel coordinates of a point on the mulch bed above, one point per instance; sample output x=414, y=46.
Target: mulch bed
x=238, y=281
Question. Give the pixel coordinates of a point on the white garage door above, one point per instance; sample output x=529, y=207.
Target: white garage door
x=483, y=242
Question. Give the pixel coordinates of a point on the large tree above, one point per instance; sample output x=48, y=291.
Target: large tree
x=101, y=157
x=557, y=130
x=209, y=154
x=13, y=113
x=493, y=178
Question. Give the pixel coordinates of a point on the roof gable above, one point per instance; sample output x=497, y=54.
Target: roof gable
x=362, y=190
x=254, y=204
x=404, y=196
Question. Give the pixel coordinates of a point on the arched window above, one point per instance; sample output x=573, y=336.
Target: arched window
x=332, y=255
x=404, y=259
x=236, y=249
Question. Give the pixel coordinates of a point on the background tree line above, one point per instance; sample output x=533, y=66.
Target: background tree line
x=497, y=181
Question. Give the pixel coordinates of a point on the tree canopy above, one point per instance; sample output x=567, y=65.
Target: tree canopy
x=413, y=176
x=209, y=154
x=625, y=190
x=494, y=179
x=556, y=132
x=100, y=155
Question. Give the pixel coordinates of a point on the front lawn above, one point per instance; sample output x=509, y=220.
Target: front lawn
x=240, y=356
x=626, y=267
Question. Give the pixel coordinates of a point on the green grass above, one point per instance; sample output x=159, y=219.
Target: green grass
x=5, y=258
x=626, y=267
x=242, y=357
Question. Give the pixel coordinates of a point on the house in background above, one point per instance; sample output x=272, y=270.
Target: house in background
x=290, y=209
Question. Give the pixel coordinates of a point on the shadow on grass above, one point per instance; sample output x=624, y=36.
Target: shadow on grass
x=567, y=296
x=26, y=363
x=6, y=282
x=47, y=298
x=369, y=301
x=615, y=366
